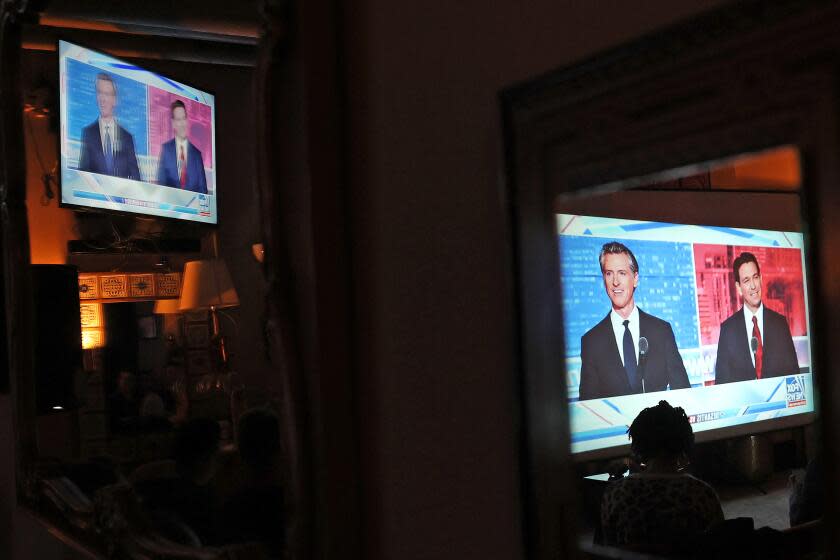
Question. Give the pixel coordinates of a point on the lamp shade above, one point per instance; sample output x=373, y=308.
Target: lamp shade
x=207, y=284
x=167, y=306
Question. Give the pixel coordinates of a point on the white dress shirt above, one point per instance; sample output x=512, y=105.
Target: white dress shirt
x=109, y=126
x=618, y=330
x=748, y=315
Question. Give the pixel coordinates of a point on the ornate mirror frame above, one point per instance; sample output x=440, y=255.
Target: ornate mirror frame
x=742, y=79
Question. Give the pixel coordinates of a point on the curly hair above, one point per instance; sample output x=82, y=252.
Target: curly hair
x=660, y=430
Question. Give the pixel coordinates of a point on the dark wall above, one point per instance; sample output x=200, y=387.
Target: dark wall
x=430, y=246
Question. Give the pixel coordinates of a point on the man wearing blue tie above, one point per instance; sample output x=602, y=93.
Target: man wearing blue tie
x=610, y=358
x=108, y=148
x=181, y=163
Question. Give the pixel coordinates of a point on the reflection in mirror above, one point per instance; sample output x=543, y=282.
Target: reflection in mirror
x=134, y=414
x=692, y=289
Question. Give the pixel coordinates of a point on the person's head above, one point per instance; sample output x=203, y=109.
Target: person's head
x=196, y=447
x=178, y=112
x=106, y=95
x=621, y=275
x=259, y=439
x=748, y=280
x=152, y=405
x=126, y=383
x=661, y=432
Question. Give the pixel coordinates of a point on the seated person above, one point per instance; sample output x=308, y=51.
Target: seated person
x=131, y=411
x=124, y=404
x=188, y=497
x=153, y=414
x=807, y=495
x=659, y=508
x=257, y=512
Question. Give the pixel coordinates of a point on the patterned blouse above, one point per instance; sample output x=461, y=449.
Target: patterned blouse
x=657, y=509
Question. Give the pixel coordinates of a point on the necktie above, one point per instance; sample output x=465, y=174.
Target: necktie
x=630, y=357
x=109, y=150
x=182, y=161
x=759, y=351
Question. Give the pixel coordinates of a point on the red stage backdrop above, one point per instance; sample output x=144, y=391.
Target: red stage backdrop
x=782, y=286
x=160, y=124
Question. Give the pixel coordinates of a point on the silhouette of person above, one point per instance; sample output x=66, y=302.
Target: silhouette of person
x=257, y=511
x=661, y=507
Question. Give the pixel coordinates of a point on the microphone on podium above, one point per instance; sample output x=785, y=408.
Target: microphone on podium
x=753, y=345
x=644, y=346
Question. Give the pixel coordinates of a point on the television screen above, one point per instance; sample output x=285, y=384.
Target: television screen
x=717, y=323
x=133, y=140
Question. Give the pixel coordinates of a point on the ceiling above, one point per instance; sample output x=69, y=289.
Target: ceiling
x=188, y=30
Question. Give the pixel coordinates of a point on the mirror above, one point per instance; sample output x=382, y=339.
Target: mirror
x=652, y=135
x=752, y=415
x=90, y=440
x=290, y=337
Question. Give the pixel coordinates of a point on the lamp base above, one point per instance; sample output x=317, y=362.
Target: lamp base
x=218, y=341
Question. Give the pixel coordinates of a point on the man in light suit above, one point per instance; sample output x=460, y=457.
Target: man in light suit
x=108, y=148
x=181, y=165
x=773, y=354
x=610, y=350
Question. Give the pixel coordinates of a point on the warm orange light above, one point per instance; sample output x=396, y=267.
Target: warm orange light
x=93, y=338
x=50, y=227
x=91, y=315
x=776, y=170
x=78, y=23
x=93, y=333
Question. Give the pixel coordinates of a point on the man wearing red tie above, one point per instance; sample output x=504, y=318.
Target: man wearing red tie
x=181, y=165
x=755, y=342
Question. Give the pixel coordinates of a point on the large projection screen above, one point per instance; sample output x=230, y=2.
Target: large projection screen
x=685, y=280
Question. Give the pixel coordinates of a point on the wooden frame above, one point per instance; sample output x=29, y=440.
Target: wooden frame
x=750, y=76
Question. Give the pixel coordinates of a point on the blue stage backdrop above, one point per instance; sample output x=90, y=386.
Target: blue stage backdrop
x=666, y=287
x=131, y=109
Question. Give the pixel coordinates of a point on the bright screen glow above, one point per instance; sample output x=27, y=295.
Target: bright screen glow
x=134, y=141
x=687, y=289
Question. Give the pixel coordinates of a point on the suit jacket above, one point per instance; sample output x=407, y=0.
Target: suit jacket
x=603, y=375
x=92, y=158
x=733, y=352
x=168, y=168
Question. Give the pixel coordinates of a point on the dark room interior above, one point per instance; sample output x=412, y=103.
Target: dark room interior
x=327, y=280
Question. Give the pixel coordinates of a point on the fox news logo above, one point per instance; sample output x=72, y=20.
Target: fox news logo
x=203, y=205
x=795, y=386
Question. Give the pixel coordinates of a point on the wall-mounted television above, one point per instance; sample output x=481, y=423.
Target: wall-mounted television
x=134, y=141
x=692, y=292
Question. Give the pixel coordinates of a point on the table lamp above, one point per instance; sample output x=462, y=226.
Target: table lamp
x=207, y=287
x=170, y=306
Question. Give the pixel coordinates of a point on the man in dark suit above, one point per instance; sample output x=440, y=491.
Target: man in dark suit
x=773, y=354
x=181, y=165
x=610, y=350
x=108, y=148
